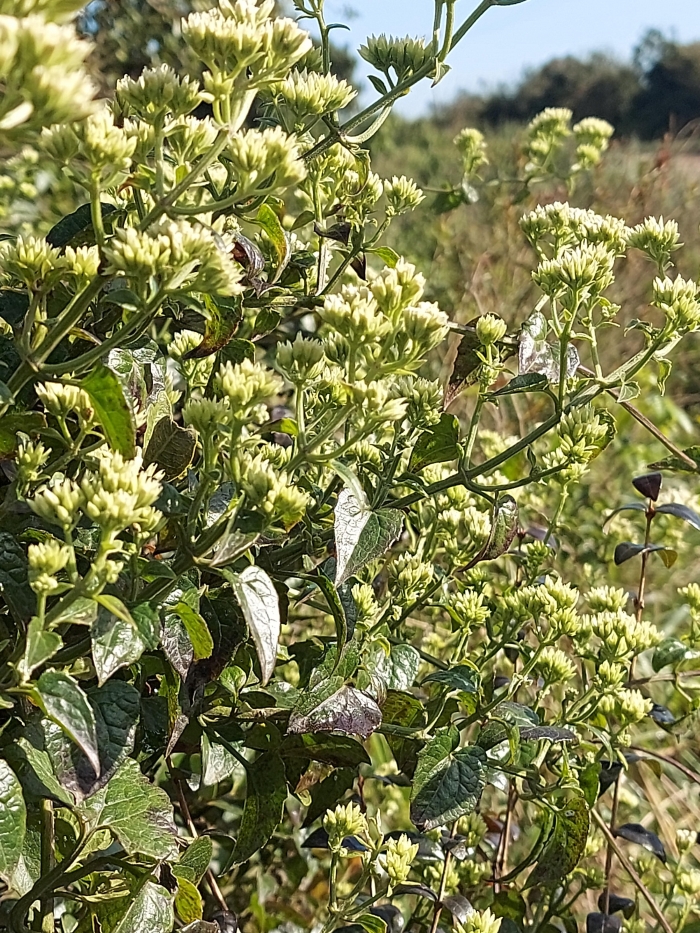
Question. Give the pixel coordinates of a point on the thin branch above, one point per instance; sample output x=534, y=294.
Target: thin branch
x=629, y=868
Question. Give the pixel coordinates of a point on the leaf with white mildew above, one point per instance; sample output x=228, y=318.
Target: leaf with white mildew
x=258, y=599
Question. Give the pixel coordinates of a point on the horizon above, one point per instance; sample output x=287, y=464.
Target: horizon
x=509, y=41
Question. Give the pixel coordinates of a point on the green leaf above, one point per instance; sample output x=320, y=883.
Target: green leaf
x=171, y=447
x=72, y=225
x=678, y=510
x=269, y=222
x=148, y=908
x=336, y=607
x=259, y=601
x=338, y=750
x=404, y=662
x=218, y=763
x=112, y=409
x=436, y=445
x=452, y=789
x=194, y=861
x=431, y=756
x=116, y=708
x=31, y=762
x=14, y=579
x=403, y=709
x=388, y=255
x=139, y=814
x=237, y=350
x=188, y=901
x=266, y=320
x=13, y=306
x=467, y=363
x=361, y=535
x=223, y=318
x=671, y=651
x=116, y=643
x=64, y=703
x=565, y=846
x=28, y=422
x=504, y=527
x=266, y=792
x=462, y=677
x=13, y=821
x=199, y=634
x=371, y=923
x=40, y=645
x=527, y=382
x=326, y=794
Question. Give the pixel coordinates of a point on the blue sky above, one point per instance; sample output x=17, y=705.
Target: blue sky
x=507, y=40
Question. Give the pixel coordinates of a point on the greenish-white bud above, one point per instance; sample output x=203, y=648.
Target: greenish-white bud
x=157, y=91
x=490, y=329
x=402, y=194
x=46, y=560
x=300, y=361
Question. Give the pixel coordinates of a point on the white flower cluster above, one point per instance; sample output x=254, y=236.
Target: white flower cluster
x=244, y=49
x=174, y=255
x=42, y=74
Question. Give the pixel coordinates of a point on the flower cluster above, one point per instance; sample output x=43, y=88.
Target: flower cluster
x=404, y=56
x=173, y=255
x=44, y=79
x=244, y=51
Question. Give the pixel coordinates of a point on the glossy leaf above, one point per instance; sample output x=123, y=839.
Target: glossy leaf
x=467, y=363
x=139, y=814
x=649, y=485
x=504, y=527
x=259, y=601
x=148, y=908
x=404, y=662
x=218, y=763
x=199, y=635
x=338, y=750
x=40, y=646
x=64, y=703
x=277, y=236
x=13, y=820
x=617, y=904
x=347, y=710
x=462, y=677
x=438, y=444
x=451, y=789
x=526, y=382
x=171, y=447
x=112, y=410
x=602, y=923
x=14, y=579
x=188, y=901
x=361, y=535
x=626, y=550
x=194, y=861
x=266, y=792
x=116, y=643
x=678, y=510
x=75, y=224
x=116, y=708
x=28, y=422
x=565, y=846
x=224, y=315
x=640, y=835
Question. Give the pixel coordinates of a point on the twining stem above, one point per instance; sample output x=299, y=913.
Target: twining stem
x=187, y=816
x=47, y=863
x=639, y=606
x=636, y=880
x=443, y=883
